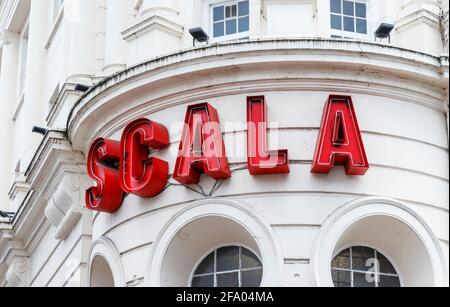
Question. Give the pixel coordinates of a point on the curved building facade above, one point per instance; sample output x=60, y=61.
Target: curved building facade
x=356, y=193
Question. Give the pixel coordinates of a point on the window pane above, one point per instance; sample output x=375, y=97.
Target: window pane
x=219, y=29
x=349, y=8
x=244, y=25
x=228, y=12
x=234, y=11
x=342, y=261
x=228, y=280
x=336, y=22
x=341, y=279
x=251, y=278
x=335, y=6
x=227, y=259
x=363, y=280
x=360, y=10
x=385, y=266
x=361, y=256
x=243, y=8
x=389, y=282
x=249, y=260
x=203, y=282
x=207, y=266
x=361, y=26
x=349, y=24
x=231, y=26
x=218, y=13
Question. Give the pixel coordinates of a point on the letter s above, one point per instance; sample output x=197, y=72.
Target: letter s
x=106, y=196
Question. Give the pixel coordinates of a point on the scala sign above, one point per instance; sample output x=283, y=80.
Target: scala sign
x=126, y=167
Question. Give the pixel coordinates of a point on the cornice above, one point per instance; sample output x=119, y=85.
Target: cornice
x=150, y=23
x=428, y=73
x=422, y=16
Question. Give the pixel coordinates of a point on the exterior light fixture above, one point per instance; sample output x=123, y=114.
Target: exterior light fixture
x=81, y=88
x=384, y=31
x=39, y=130
x=199, y=35
x=7, y=215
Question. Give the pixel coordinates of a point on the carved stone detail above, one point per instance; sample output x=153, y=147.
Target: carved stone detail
x=64, y=210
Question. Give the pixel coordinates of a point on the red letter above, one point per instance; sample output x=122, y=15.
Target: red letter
x=261, y=161
x=140, y=174
x=201, y=148
x=340, y=141
x=107, y=195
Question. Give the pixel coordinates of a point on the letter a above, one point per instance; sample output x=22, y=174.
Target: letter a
x=340, y=141
x=201, y=148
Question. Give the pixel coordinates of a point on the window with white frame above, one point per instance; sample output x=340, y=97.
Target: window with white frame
x=230, y=20
x=360, y=266
x=348, y=19
x=230, y=266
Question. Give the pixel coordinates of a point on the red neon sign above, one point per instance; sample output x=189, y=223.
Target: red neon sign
x=126, y=167
x=140, y=174
x=107, y=196
x=340, y=141
x=201, y=148
x=261, y=161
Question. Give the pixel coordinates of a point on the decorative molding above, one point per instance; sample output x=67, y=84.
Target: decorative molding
x=422, y=16
x=67, y=96
x=58, y=174
x=235, y=210
x=64, y=209
x=7, y=10
x=153, y=22
x=18, y=265
x=414, y=77
x=104, y=247
x=349, y=214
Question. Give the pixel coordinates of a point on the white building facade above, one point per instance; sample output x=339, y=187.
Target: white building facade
x=84, y=69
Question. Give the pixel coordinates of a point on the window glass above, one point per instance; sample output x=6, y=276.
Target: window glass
x=207, y=265
x=252, y=278
x=349, y=8
x=360, y=9
x=336, y=22
x=228, y=259
x=349, y=24
x=228, y=280
x=231, y=266
x=335, y=6
x=218, y=13
x=360, y=266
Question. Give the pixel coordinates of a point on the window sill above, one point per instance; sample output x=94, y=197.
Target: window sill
x=54, y=29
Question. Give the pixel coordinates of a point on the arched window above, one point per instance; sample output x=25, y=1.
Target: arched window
x=359, y=266
x=231, y=266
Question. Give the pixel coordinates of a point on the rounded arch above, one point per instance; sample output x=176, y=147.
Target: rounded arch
x=373, y=221
x=104, y=248
x=245, y=227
